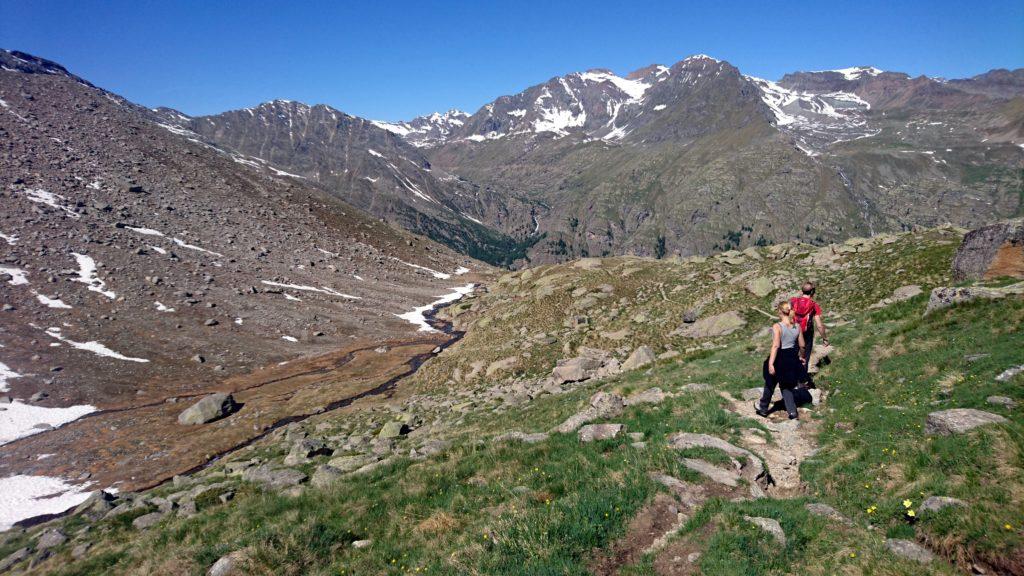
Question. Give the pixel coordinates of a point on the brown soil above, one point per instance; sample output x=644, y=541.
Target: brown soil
x=139, y=446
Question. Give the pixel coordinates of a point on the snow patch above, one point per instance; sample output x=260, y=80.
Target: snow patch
x=9, y=238
x=418, y=316
x=52, y=200
x=146, y=231
x=87, y=275
x=18, y=420
x=7, y=374
x=18, y=276
x=23, y=497
x=92, y=346
x=51, y=302
x=322, y=290
x=435, y=273
x=162, y=307
x=374, y=153
x=660, y=107
x=290, y=338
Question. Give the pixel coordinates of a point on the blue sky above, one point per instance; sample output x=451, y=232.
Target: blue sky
x=397, y=59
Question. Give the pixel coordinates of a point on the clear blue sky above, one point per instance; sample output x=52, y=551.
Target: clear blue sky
x=398, y=59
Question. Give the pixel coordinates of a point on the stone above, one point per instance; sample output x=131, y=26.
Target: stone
x=959, y=420
x=712, y=326
x=602, y=405
x=360, y=544
x=393, y=429
x=230, y=565
x=592, y=432
x=991, y=251
x=350, y=463
x=640, y=357
x=1009, y=373
x=649, y=396
x=944, y=297
x=502, y=365
x=936, y=503
x=716, y=474
x=274, y=478
x=208, y=409
x=769, y=525
x=80, y=550
x=50, y=538
x=325, y=475
x=148, y=520
x=760, y=286
x=518, y=436
x=826, y=511
x=906, y=292
x=1001, y=401
x=305, y=449
x=909, y=550
x=13, y=558
x=753, y=470
x=752, y=393
x=575, y=369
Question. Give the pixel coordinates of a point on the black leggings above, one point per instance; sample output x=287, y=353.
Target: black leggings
x=770, y=382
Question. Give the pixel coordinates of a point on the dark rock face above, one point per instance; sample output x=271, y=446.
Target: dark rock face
x=991, y=252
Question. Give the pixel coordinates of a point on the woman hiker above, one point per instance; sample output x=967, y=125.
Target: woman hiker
x=784, y=366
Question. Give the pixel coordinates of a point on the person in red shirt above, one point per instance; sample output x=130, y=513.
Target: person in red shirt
x=808, y=314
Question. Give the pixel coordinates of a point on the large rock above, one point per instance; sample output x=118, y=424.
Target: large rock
x=147, y=520
x=602, y=405
x=761, y=286
x=392, y=429
x=909, y=550
x=720, y=475
x=50, y=538
x=275, y=478
x=991, y=252
x=208, y=409
x=753, y=470
x=959, y=420
x=517, y=436
x=232, y=564
x=325, y=475
x=640, y=357
x=717, y=325
x=936, y=503
x=769, y=525
x=575, y=369
x=592, y=432
x=350, y=463
x=943, y=297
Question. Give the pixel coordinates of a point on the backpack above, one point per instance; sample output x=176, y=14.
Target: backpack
x=803, y=310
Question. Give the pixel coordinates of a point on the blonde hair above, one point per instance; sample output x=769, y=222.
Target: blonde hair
x=786, y=309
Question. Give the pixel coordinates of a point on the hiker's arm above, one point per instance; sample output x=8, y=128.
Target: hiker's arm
x=803, y=346
x=776, y=342
x=820, y=324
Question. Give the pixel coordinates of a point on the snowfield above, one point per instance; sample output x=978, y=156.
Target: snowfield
x=18, y=419
x=23, y=497
x=93, y=346
x=418, y=315
x=87, y=275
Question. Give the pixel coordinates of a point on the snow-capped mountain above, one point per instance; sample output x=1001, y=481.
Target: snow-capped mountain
x=428, y=130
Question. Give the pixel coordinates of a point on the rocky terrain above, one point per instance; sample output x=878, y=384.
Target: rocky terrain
x=140, y=269
x=601, y=412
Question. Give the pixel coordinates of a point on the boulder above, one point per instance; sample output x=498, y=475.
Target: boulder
x=959, y=420
x=649, y=396
x=640, y=357
x=936, y=503
x=50, y=538
x=305, y=449
x=575, y=369
x=325, y=475
x=232, y=564
x=148, y=520
x=909, y=550
x=350, y=463
x=208, y=409
x=721, y=475
x=991, y=252
x=393, y=429
x=602, y=405
x=592, y=432
x=826, y=511
x=717, y=325
x=1009, y=373
x=760, y=286
x=769, y=525
x=944, y=297
x=501, y=365
x=275, y=478
x=753, y=470
x=1001, y=401
x=517, y=436
x=13, y=558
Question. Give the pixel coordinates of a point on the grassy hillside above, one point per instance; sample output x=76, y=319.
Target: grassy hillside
x=475, y=504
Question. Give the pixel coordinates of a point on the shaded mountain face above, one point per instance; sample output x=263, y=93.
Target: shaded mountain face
x=698, y=157
x=371, y=168
x=999, y=83
x=139, y=264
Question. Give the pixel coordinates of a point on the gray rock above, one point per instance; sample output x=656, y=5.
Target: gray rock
x=769, y=525
x=943, y=297
x=350, y=463
x=575, y=369
x=826, y=511
x=148, y=520
x=13, y=558
x=230, y=565
x=753, y=470
x=592, y=432
x=649, y=396
x=990, y=252
x=50, y=538
x=959, y=420
x=909, y=550
x=1009, y=373
x=274, y=478
x=79, y=551
x=760, y=286
x=208, y=409
x=1001, y=401
x=393, y=429
x=752, y=393
x=325, y=475
x=640, y=357
x=359, y=544
x=305, y=449
x=602, y=405
x=936, y=503
x=720, y=475
x=518, y=436
x=717, y=325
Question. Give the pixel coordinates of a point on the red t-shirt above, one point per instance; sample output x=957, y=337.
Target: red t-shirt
x=805, y=308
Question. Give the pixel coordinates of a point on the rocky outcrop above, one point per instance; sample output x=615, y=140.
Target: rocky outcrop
x=592, y=432
x=717, y=325
x=602, y=405
x=210, y=408
x=959, y=420
x=640, y=357
x=944, y=297
x=991, y=252
x=909, y=550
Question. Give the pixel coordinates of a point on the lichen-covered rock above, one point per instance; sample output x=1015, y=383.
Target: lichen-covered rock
x=959, y=420
x=592, y=432
x=944, y=297
x=991, y=252
x=717, y=325
x=640, y=357
x=909, y=550
x=210, y=408
x=769, y=525
x=936, y=503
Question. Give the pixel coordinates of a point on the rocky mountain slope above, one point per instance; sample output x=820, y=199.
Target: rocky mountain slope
x=140, y=268
x=374, y=170
x=597, y=419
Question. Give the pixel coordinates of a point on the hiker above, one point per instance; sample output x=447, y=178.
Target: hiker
x=808, y=315
x=784, y=365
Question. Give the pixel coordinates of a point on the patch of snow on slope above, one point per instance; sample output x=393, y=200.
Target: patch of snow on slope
x=18, y=419
x=18, y=276
x=9, y=238
x=660, y=107
x=184, y=244
x=92, y=346
x=290, y=338
x=158, y=250
x=163, y=308
x=460, y=271
x=51, y=302
x=374, y=153
x=23, y=497
x=395, y=128
x=52, y=200
x=857, y=71
x=322, y=290
x=146, y=231
x=633, y=88
x=7, y=374
x=435, y=273
x=418, y=316
x=87, y=275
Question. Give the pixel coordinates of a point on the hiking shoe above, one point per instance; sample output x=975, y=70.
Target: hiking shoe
x=794, y=416
x=760, y=412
